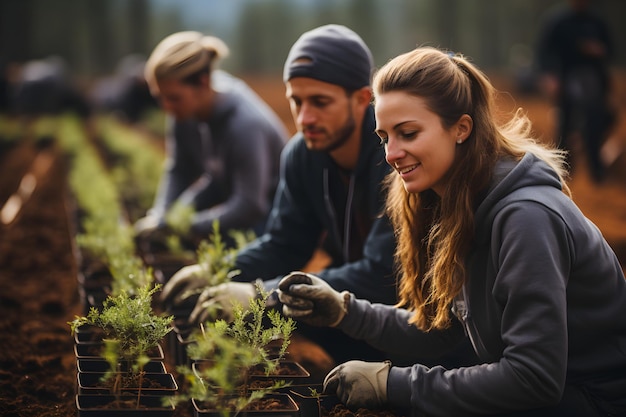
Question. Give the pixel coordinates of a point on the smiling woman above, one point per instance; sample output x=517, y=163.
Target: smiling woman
x=417, y=144
x=491, y=249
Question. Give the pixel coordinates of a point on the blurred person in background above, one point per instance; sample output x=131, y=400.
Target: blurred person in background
x=44, y=88
x=573, y=54
x=125, y=93
x=223, y=142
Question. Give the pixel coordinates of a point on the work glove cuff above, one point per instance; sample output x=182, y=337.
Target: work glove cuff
x=381, y=379
x=343, y=303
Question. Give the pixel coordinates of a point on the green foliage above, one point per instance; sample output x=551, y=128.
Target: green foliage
x=128, y=271
x=138, y=165
x=230, y=352
x=217, y=259
x=249, y=329
x=131, y=329
x=104, y=236
x=179, y=219
x=131, y=323
x=313, y=392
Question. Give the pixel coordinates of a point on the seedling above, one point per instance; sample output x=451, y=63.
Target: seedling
x=217, y=258
x=318, y=398
x=179, y=219
x=249, y=328
x=232, y=351
x=131, y=330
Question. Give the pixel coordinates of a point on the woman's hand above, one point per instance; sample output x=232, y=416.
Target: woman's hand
x=311, y=300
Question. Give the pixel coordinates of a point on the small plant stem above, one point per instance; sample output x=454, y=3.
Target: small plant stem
x=117, y=385
x=140, y=386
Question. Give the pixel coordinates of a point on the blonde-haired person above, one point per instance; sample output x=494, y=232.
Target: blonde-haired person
x=491, y=247
x=223, y=142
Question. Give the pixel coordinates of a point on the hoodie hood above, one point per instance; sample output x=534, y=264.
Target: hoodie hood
x=510, y=176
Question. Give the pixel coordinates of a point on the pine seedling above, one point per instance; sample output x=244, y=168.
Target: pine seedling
x=222, y=382
x=131, y=321
x=234, y=349
x=217, y=259
x=179, y=219
x=249, y=328
x=131, y=330
x=318, y=399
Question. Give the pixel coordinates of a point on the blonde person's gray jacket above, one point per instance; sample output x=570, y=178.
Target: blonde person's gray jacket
x=226, y=167
x=545, y=307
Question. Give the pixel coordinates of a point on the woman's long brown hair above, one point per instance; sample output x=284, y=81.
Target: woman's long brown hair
x=434, y=234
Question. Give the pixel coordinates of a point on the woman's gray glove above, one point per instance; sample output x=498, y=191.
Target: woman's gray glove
x=359, y=384
x=311, y=300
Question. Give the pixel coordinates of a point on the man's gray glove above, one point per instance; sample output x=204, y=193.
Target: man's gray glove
x=311, y=300
x=218, y=302
x=147, y=225
x=187, y=282
x=359, y=384
x=151, y=233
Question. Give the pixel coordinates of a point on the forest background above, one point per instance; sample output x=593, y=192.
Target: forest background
x=92, y=36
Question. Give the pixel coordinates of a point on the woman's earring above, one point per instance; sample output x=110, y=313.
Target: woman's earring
x=459, y=141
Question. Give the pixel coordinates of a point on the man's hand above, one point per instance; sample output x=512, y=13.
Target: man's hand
x=151, y=233
x=147, y=225
x=359, y=384
x=217, y=302
x=185, y=283
x=311, y=300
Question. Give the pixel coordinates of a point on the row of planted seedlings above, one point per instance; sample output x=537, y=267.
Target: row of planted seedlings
x=135, y=164
x=120, y=361
x=225, y=368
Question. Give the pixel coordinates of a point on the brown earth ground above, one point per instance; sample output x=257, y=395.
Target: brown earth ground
x=38, y=286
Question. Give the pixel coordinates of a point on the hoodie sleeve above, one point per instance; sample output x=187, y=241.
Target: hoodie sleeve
x=531, y=248
x=175, y=177
x=387, y=328
x=251, y=182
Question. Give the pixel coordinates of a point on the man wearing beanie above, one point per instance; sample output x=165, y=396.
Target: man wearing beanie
x=329, y=191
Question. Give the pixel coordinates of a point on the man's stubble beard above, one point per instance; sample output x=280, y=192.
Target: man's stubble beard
x=342, y=135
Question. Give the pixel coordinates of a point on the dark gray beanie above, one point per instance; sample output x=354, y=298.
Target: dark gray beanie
x=338, y=56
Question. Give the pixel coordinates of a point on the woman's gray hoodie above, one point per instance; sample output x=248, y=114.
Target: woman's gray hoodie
x=544, y=306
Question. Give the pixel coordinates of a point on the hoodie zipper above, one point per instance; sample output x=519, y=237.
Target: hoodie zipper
x=333, y=216
x=461, y=309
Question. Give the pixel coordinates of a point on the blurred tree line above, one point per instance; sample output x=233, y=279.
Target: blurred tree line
x=92, y=36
